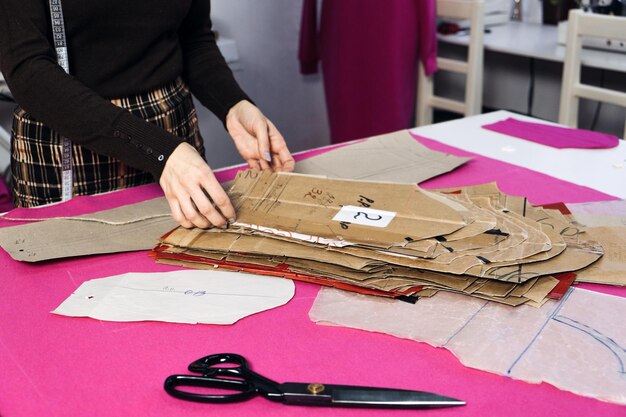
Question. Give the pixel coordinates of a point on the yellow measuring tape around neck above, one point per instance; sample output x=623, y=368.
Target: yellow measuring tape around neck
x=60, y=46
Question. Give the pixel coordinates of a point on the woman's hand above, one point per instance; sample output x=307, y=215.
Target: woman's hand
x=256, y=138
x=195, y=196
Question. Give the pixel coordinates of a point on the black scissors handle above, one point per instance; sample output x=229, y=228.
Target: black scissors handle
x=238, y=377
x=208, y=364
x=174, y=381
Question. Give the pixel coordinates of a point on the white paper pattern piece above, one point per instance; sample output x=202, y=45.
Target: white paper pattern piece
x=577, y=344
x=188, y=296
x=364, y=216
x=600, y=213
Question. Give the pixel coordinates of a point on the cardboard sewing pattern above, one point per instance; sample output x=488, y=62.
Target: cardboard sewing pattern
x=510, y=252
x=395, y=157
x=129, y=228
x=606, y=223
x=310, y=205
x=611, y=268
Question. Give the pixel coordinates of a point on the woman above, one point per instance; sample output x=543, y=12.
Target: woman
x=126, y=105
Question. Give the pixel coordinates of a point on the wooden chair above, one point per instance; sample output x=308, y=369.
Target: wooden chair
x=579, y=25
x=471, y=10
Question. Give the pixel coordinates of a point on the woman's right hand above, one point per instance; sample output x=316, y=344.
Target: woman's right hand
x=195, y=196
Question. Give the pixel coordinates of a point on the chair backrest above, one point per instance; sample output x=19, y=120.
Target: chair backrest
x=579, y=25
x=472, y=11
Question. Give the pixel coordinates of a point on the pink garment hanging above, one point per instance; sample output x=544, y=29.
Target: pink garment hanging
x=6, y=203
x=369, y=51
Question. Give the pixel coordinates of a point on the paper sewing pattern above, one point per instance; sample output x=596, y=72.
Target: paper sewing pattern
x=189, y=296
x=575, y=344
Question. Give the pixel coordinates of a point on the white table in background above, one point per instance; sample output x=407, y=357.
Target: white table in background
x=601, y=169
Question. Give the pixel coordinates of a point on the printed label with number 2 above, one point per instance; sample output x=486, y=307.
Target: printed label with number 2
x=364, y=216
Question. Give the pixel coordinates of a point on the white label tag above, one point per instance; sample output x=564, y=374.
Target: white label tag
x=364, y=216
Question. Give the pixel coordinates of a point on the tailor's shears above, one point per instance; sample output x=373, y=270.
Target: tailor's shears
x=229, y=371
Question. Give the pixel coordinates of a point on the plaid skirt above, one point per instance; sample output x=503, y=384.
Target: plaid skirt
x=36, y=151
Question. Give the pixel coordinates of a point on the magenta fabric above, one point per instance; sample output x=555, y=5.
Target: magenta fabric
x=369, y=51
x=555, y=136
x=60, y=366
x=308, y=51
x=6, y=202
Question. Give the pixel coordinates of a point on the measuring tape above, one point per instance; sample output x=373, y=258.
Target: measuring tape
x=60, y=45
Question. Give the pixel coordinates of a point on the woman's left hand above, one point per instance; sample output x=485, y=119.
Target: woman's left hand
x=256, y=138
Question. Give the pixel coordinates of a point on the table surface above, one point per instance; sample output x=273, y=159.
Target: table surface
x=61, y=366
x=602, y=169
x=539, y=41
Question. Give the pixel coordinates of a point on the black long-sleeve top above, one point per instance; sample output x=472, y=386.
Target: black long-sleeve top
x=116, y=48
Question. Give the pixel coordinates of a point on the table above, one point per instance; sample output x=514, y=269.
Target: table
x=523, y=70
x=60, y=366
x=603, y=169
x=534, y=40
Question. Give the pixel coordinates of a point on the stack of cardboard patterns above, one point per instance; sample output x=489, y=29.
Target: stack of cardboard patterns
x=390, y=239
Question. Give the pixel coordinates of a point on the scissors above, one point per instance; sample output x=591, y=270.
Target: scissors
x=230, y=372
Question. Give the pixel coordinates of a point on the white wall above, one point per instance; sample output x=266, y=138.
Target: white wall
x=6, y=116
x=266, y=33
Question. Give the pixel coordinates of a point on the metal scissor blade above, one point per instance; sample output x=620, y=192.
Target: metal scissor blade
x=390, y=398
x=356, y=396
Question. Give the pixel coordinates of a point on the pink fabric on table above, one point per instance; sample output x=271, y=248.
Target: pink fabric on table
x=554, y=136
x=61, y=366
x=515, y=180
x=369, y=51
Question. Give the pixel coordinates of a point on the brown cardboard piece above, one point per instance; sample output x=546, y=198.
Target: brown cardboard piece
x=309, y=205
x=385, y=279
x=128, y=228
x=611, y=269
x=395, y=156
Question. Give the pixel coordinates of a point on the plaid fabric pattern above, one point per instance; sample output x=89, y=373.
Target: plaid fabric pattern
x=36, y=151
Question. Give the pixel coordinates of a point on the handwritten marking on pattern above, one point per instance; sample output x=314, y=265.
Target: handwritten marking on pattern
x=322, y=197
x=194, y=293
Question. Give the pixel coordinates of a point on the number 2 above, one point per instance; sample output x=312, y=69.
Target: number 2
x=367, y=216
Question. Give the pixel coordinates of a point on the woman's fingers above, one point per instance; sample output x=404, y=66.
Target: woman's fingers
x=263, y=143
x=192, y=213
x=219, y=210
x=283, y=161
x=257, y=139
x=177, y=213
x=184, y=180
x=254, y=164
